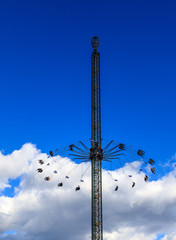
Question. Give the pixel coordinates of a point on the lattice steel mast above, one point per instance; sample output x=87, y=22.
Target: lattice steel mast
x=96, y=155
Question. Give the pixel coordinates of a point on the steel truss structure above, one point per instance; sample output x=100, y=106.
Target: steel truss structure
x=95, y=153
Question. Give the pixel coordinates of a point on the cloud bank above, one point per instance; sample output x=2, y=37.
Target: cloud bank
x=41, y=210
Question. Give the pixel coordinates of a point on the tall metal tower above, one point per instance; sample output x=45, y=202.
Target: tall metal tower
x=96, y=153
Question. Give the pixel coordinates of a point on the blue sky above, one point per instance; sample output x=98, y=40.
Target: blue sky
x=45, y=74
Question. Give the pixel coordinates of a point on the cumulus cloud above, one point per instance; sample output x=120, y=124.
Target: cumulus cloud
x=171, y=236
x=16, y=164
x=41, y=210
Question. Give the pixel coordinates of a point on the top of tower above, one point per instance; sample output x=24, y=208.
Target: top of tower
x=95, y=42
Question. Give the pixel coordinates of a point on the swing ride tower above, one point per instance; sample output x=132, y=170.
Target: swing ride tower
x=96, y=153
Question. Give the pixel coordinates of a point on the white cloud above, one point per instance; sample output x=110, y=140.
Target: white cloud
x=16, y=163
x=41, y=210
x=171, y=236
